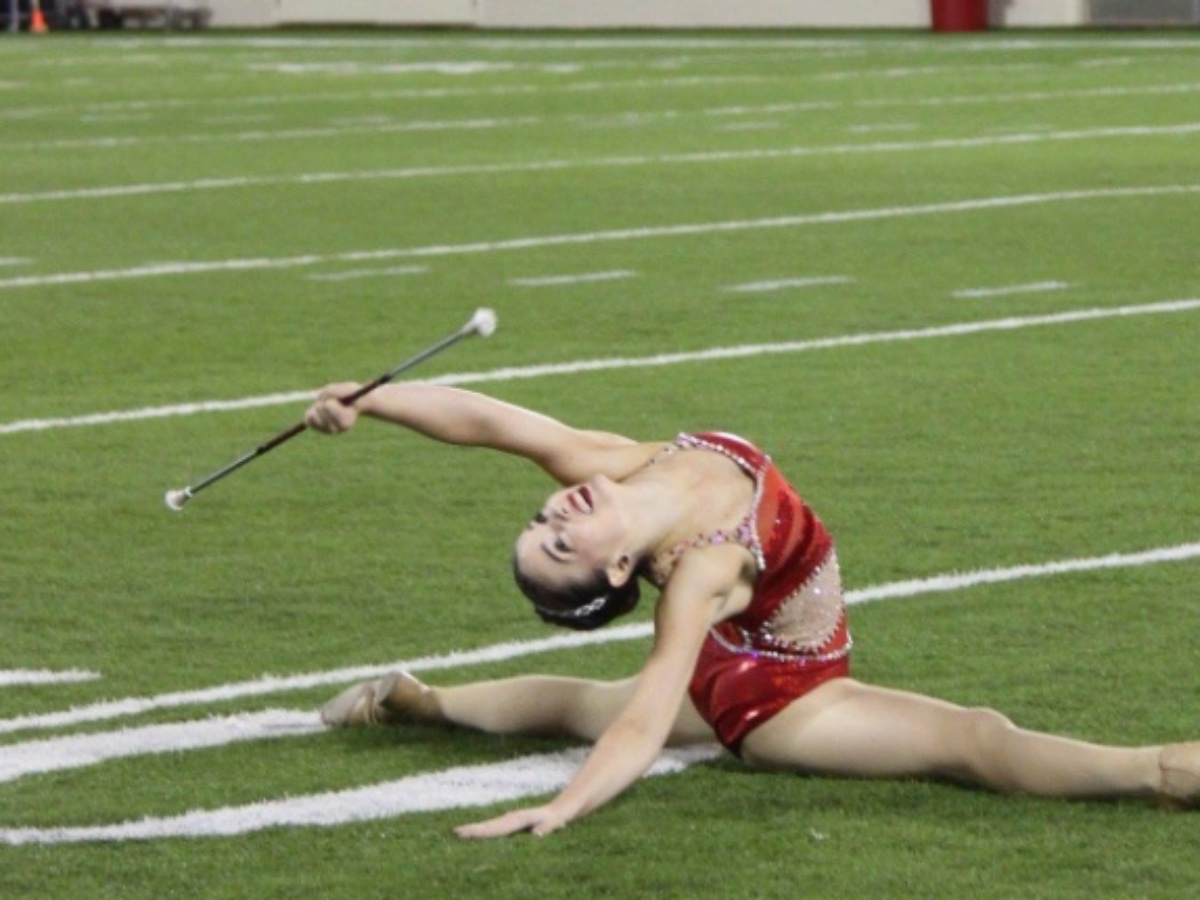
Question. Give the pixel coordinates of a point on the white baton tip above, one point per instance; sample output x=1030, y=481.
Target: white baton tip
x=483, y=323
x=176, y=499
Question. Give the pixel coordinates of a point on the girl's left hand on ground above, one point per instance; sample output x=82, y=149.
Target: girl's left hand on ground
x=538, y=821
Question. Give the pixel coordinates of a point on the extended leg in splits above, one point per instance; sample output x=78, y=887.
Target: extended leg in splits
x=527, y=704
x=848, y=728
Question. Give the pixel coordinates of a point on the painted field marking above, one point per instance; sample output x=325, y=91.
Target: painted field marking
x=761, y=287
x=959, y=329
x=959, y=581
x=185, y=409
x=80, y=750
x=432, y=93
x=464, y=786
x=760, y=109
x=123, y=119
x=22, y=677
x=131, y=706
x=246, y=119
x=282, y=134
x=748, y=126
x=1105, y=61
x=582, y=278
x=14, y=261
x=468, y=67
x=1185, y=129
x=1032, y=288
x=883, y=126
x=368, y=273
x=162, y=270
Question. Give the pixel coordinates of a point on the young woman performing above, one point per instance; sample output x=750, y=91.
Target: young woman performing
x=751, y=645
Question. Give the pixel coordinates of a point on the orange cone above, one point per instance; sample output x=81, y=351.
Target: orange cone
x=37, y=21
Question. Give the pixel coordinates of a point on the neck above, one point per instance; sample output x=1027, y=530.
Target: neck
x=660, y=516
x=692, y=495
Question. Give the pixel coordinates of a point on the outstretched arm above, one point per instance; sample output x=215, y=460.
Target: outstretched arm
x=692, y=601
x=456, y=416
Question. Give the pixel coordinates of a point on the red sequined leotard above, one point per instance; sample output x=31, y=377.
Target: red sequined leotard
x=793, y=636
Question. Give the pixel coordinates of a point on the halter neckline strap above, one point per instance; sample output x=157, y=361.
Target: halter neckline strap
x=744, y=534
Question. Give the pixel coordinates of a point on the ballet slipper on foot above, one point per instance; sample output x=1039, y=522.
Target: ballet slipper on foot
x=353, y=706
x=390, y=700
x=1180, y=768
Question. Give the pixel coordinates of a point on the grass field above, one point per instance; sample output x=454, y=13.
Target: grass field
x=951, y=284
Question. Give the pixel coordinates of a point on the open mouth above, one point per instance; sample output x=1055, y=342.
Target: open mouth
x=581, y=500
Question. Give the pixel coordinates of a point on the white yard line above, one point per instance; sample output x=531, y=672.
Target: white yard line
x=771, y=125
x=958, y=581
x=354, y=274
x=958, y=329
x=761, y=287
x=431, y=93
x=581, y=278
x=183, y=409
x=259, y=135
x=176, y=268
x=81, y=750
x=699, y=229
x=465, y=786
x=1184, y=129
x=23, y=677
x=883, y=126
x=1008, y=290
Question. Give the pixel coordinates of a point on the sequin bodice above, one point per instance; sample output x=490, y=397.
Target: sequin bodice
x=797, y=610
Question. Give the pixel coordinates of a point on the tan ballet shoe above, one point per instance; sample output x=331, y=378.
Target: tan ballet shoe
x=1180, y=767
x=353, y=706
x=390, y=700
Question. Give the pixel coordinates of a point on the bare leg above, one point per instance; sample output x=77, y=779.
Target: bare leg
x=531, y=704
x=849, y=728
x=539, y=704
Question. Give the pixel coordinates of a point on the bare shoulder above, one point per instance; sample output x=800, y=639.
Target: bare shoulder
x=717, y=579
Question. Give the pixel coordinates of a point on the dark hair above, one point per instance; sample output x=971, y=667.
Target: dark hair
x=583, y=605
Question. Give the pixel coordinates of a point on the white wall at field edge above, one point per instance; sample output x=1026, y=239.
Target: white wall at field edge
x=271, y=13
x=586, y=14
x=1039, y=13
x=243, y=13
x=704, y=13
x=375, y=12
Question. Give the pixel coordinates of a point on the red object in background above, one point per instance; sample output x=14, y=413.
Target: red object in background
x=959, y=15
